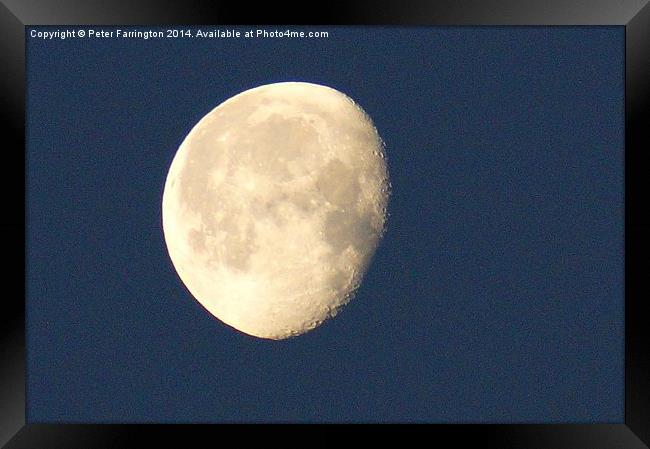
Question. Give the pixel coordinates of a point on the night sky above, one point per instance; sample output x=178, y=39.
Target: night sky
x=496, y=294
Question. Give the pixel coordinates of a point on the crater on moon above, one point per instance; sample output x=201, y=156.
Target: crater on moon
x=274, y=205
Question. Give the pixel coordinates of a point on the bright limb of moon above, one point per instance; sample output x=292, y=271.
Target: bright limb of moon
x=274, y=205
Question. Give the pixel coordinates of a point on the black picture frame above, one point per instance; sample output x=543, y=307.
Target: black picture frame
x=634, y=15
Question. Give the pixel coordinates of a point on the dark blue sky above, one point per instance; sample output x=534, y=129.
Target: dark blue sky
x=496, y=294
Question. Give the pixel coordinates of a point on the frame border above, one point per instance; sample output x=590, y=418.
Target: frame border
x=634, y=15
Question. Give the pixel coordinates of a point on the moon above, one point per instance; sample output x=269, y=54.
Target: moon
x=274, y=205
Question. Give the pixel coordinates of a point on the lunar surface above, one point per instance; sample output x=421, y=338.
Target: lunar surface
x=274, y=205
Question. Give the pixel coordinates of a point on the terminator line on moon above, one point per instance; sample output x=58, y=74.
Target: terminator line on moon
x=274, y=205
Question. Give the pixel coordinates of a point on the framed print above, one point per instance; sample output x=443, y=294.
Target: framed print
x=425, y=218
